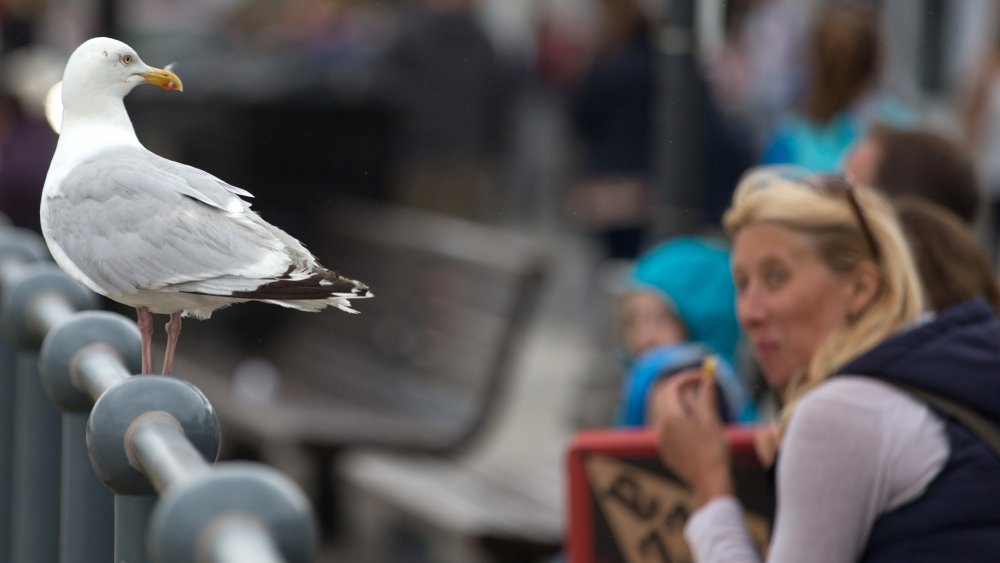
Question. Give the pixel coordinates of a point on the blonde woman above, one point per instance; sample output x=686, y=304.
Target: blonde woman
x=867, y=470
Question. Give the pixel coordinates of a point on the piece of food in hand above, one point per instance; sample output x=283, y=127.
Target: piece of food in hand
x=708, y=367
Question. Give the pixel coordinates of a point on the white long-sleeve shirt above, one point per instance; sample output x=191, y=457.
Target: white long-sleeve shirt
x=854, y=449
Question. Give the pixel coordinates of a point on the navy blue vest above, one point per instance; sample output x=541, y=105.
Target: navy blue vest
x=957, y=355
x=956, y=519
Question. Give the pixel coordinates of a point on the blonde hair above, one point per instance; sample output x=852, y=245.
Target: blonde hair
x=776, y=196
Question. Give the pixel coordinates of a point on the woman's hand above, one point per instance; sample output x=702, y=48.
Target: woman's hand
x=691, y=439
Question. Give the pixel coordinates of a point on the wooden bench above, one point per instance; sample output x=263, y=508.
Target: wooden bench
x=429, y=357
x=503, y=499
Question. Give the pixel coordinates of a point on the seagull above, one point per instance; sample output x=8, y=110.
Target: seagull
x=158, y=235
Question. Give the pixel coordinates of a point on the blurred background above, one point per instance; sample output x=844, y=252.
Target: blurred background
x=414, y=144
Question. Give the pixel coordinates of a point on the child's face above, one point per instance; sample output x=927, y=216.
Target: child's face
x=648, y=322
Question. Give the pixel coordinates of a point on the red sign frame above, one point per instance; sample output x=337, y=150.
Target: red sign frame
x=639, y=446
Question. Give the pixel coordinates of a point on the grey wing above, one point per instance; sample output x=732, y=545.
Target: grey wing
x=217, y=192
x=128, y=222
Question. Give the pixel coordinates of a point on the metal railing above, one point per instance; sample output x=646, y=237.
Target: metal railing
x=98, y=465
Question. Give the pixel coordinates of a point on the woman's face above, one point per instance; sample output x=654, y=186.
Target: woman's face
x=788, y=300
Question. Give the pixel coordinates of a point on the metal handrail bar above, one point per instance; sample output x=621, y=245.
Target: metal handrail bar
x=97, y=368
x=144, y=435
x=157, y=446
x=47, y=310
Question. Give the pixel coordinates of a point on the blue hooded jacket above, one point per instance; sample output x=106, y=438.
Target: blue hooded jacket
x=956, y=356
x=734, y=401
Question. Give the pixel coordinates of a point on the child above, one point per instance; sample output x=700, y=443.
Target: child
x=677, y=309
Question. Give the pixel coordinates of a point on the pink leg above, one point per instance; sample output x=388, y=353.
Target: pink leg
x=173, y=334
x=146, y=331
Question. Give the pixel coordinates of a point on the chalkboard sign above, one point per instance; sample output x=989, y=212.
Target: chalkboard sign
x=626, y=507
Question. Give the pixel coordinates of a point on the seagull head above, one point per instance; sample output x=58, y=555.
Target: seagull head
x=103, y=70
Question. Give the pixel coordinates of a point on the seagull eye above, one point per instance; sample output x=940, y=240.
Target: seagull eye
x=127, y=59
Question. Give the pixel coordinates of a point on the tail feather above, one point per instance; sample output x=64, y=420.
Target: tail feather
x=316, y=305
x=321, y=284
x=306, y=291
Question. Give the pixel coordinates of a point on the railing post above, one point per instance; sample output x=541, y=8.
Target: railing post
x=159, y=433
x=114, y=413
x=35, y=297
x=80, y=359
x=132, y=516
x=17, y=247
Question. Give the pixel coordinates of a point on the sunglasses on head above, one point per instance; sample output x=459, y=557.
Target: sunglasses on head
x=833, y=185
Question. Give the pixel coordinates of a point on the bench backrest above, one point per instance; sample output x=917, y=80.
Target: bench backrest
x=451, y=299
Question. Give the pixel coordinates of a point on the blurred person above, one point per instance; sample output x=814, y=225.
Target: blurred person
x=18, y=22
x=338, y=31
x=916, y=162
x=841, y=99
x=981, y=126
x=952, y=265
x=757, y=73
x=27, y=143
x=873, y=464
x=560, y=48
x=728, y=151
x=612, y=117
x=324, y=25
x=442, y=77
x=676, y=309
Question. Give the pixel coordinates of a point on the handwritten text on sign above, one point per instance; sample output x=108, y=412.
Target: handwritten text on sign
x=647, y=511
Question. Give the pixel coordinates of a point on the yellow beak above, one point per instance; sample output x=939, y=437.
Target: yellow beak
x=164, y=79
